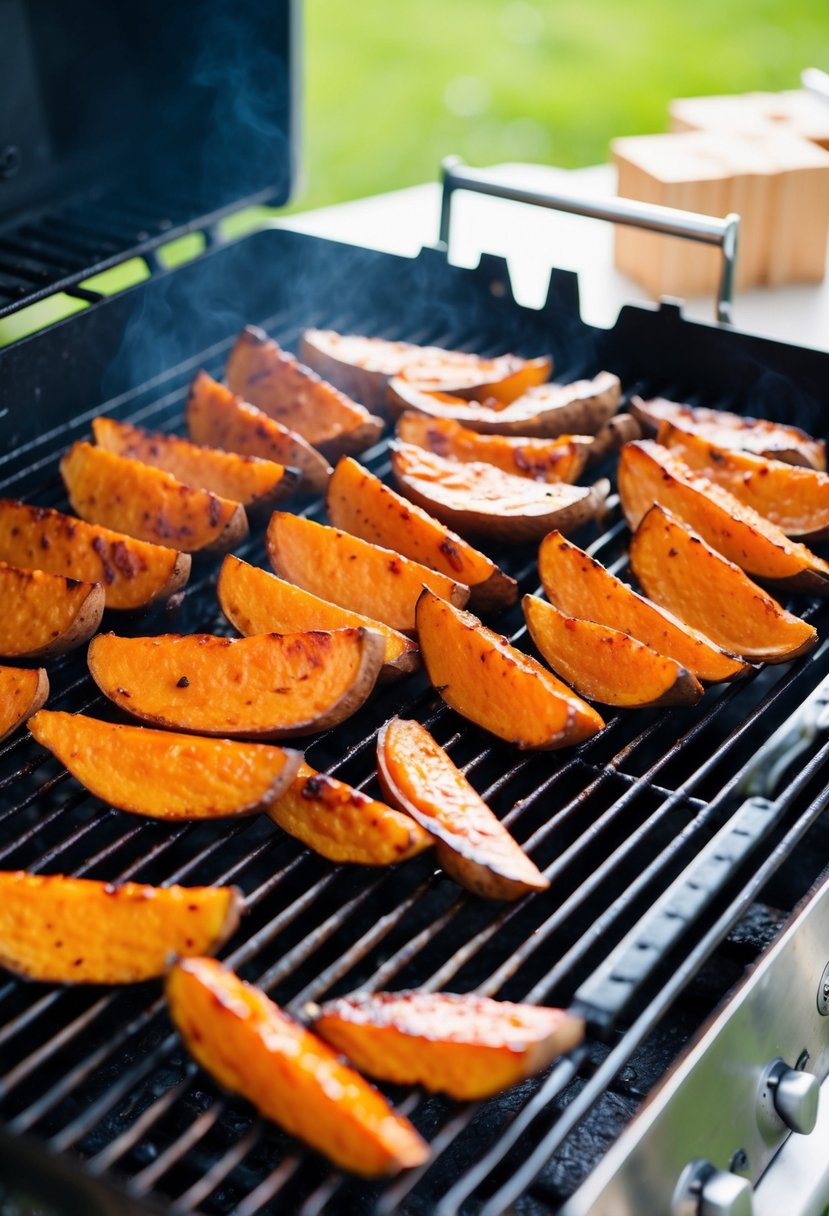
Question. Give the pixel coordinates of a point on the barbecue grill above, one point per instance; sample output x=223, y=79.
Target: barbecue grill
x=686, y=916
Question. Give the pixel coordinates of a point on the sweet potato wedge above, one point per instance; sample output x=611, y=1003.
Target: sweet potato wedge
x=579, y=585
x=343, y=824
x=471, y=843
x=678, y=570
x=267, y=376
x=776, y=440
x=649, y=473
x=216, y=416
x=44, y=615
x=460, y=1044
x=252, y=1048
x=272, y=686
x=496, y=686
x=165, y=775
x=23, y=690
x=148, y=504
x=76, y=931
x=612, y=437
x=134, y=573
x=359, y=503
x=353, y=573
x=255, y=601
x=362, y=367
x=250, y=480
x=478, y=499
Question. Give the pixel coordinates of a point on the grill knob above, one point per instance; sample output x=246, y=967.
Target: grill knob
x=703, y=1190
x=795, y=1096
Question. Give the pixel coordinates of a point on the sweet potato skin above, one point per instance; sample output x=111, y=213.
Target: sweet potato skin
x=75, y=930
x=23, y=690
x=45, y=614
x=292, y=1077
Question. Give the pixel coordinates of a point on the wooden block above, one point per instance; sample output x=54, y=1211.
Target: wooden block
x=796, y=112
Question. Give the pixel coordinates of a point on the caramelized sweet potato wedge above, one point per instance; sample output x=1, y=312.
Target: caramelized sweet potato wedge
x=351, y=572
x=76, y=931
x=471, y=843
x=165, y=775
x=359, y=503
x=605, y=664
x=23, y=690
x=44, y=615
x=134, y=573
x=216, y=416
x=460, y=1044
x=255, y=601
x=580, y=586
x=677, y=569
x=267, y=376
x=253, y=1048
x=649, y=473
x=149, y=504
x=343, y=824
x=478, y=499
x=272, y=686
x=486, y=680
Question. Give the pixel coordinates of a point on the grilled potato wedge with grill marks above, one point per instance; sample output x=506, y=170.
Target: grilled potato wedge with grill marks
x=23, y=690
x=359, y=503
x=272, y=686
x=460, y=1044
x=76, y=931
x=471, y=843
x=252, y=1048
x=44, y=615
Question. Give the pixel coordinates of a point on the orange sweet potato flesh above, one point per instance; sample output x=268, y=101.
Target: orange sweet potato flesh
x=496, y=686
x=147, y=503
x=216, y=416
x=359, y=503
x=291, y=1076
x=345, y=825
x=580, y=586
x=270, y=686
x=649, y=473
x=472, y=845
x=362, y=577
x=74, y=930
x=605, y=664
x=460, y=1044
x=162, y=774
x=267, y=376
x=677, y=569
x=255, y=601
x=246, y=479
x=44, y=615
x=133, y=572
x=23, y=690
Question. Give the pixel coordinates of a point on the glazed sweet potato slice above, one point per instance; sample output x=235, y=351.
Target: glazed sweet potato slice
x=460, y=1044
x=471, y=843
x=353, y=573
x=147, y=503
x=677, y=569
x=267, y=376
x=216, y=416
x=359, y=503
x=272, y=686
x=44, y=615
x=250, y=480
x=290, y=1075
x=649, y=473
x=76, y=931
x=496, y=686
x=23, y=690
x=255, y=601
x=345, y=825
x=605, y=664
x=776, y=440
x=134, y=573
x=580, y=586
x=478, y=499
x=162, y=774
